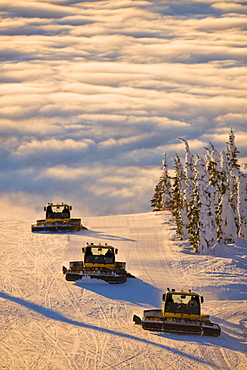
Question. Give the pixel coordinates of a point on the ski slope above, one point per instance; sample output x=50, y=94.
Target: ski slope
x=49, y=323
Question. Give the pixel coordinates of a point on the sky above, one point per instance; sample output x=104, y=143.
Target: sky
x=93, y=93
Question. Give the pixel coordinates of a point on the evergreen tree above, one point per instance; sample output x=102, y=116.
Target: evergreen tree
x=224, y=173
x=216, y=165
x=177, y=198
x=242, y=205
x=216, y=175
x=241, y=202
x=208, y=198
x=232, y=180
x=157, y=200
x=189, y=190
x=162, y=197
x=223, y=208
x=232, y=152
x=205, y=194
x=227, y=231
x=194, y=221
x=189, y=170
x=167, y=195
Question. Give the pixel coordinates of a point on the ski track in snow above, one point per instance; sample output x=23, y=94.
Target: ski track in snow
x=49, y=323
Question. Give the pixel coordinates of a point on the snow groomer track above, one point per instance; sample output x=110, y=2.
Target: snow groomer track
x=50, y=323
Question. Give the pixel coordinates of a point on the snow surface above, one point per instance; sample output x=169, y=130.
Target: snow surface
x=49, y=323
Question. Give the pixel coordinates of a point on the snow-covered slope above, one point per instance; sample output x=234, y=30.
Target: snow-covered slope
x=49, y=323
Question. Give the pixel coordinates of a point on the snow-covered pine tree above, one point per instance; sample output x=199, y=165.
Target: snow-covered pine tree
x=242, y=205
x=178, y=210
x=232, y=180
x=224, y=173
x=216, y=180
x=189, y=191
x=207, y=217
x=227, y=231
x=167, y=195
x=162, y=197
x=189, y=170
x=241, y=202
x=232, y=152
x=226, y=226
x=194, y=220
x=157, y=200
x=216, y=165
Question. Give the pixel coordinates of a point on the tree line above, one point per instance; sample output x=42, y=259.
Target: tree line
x=207, y=196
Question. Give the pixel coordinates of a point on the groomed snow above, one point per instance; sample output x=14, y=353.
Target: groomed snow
x=49, y=323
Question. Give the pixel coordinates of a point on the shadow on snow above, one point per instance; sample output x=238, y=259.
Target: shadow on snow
x=89, y=233
x=58, y=317
x=134, y=290
x=101, y=235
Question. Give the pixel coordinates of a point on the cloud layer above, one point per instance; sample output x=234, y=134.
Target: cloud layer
x=93, y=93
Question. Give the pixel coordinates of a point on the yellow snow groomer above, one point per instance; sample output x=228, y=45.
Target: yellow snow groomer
x=99, y=263
x=180, y=313
x=58, y=219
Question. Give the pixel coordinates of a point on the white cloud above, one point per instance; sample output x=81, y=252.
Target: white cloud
x=231, y=7
x=52, y=145
x=93, y=93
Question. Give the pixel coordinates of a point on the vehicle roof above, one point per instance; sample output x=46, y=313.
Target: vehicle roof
x=181, y=293
x=99, y=246
x=57, y=204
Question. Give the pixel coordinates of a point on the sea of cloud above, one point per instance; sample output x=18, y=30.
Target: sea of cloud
x=94, y=92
